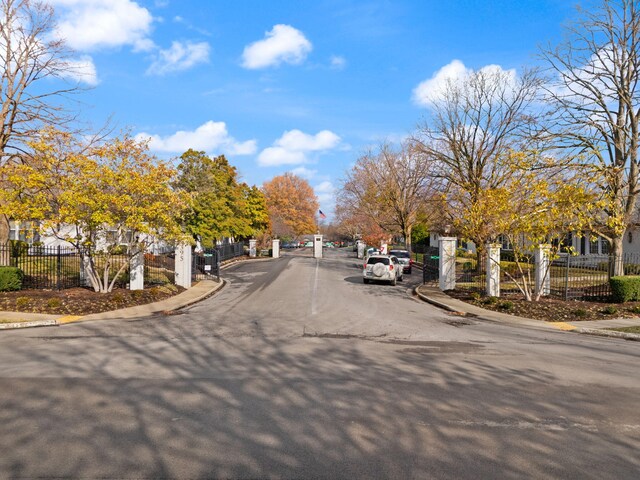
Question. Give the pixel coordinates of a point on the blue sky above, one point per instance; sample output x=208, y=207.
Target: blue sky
x=279, y=85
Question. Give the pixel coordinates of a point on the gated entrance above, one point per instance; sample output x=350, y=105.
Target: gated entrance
x=430, y=265
x=205, y=264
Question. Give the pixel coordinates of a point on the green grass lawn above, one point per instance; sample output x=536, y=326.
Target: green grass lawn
x=626, y=329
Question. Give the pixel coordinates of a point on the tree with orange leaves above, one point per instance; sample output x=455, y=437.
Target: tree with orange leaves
x=292, y=205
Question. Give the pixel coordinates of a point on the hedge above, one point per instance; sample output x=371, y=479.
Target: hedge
x=10, y=279
x=625, y=288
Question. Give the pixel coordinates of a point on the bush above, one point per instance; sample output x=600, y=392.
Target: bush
x=10, y=279
x=625, y=288
x=580, y=312
x=22, y=302
x=53, y=303
x=635, y=309
x=610, y=310
x=506, y=305
x=490, y=300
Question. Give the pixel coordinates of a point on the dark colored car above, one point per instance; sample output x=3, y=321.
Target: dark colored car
x=404, y=257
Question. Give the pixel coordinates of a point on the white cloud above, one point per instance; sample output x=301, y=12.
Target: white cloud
x=292, y=147
x=283, y=44
x=209, y=137
x=304, y=172
x=93, y=24
x=338, y=62
x=434, y=87
x=181, y=56
x=82, y=70
x=326, y=193
x=297, y=140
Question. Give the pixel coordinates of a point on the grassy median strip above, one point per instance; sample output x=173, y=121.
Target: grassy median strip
x=635, y=329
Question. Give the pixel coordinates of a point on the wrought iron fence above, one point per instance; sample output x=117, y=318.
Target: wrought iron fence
x=57, y=268
x=470, y=274
x=160, y=267
x=206, y=264
x=582, y=277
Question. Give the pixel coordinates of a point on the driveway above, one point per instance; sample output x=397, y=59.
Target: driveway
x=296, y=369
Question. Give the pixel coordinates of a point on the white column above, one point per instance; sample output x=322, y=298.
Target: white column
x=383, y=248
x=183, y=265
x=252, y=248
x=136, y=271
x=275, y=248
x=360, y=245
x=542, y=273
x=317, y=246
x=493, y=269
x=447, y=263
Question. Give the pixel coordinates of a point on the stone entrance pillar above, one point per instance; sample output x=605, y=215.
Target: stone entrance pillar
x=252, y=248
x=275, y=248
x=136, y=271
x=317, y=246
x=542, y=273
x=447, y=263
x=493, y=269
x=183, y=265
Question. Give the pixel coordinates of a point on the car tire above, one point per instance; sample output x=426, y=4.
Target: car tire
x=365, y=280
x=409, y=271
x=393, y=282
x=401, y=279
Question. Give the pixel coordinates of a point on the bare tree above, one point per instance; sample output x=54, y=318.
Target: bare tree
x=391, y=187
x=475, y=123
x=596, y=103
x=29, y=57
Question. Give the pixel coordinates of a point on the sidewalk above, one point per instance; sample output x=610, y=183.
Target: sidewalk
x=435, y=296
x=196, y=293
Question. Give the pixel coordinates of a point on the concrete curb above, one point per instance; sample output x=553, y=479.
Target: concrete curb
x=36, y=323
x=608, y=333
x=130, y=313
x=502, y=317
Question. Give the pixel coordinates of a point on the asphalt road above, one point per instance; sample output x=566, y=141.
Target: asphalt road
x=296, y=369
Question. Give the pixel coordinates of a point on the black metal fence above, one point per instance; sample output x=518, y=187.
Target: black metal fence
x=206, y=264
x=57, y=268
x=160, y=267
x=582, y=277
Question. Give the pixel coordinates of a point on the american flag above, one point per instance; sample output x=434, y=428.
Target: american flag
x=322, y=215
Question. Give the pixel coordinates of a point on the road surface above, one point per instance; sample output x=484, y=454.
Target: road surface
x=296, y=369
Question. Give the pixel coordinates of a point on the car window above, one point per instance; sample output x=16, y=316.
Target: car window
x=400, y=254
x=374, y=260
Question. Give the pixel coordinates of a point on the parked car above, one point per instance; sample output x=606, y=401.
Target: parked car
x=371, y=251
x=404, y=257
x=382, y=268
x=308, y=244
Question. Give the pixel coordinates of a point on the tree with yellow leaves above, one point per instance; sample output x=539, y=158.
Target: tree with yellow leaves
x=93, y=190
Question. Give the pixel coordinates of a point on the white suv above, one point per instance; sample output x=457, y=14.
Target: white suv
x=382, y=268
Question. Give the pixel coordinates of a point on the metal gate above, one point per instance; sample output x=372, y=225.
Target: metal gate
x=205, y=264
x=431, y=265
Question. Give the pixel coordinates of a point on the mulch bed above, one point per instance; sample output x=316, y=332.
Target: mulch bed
x=82, y=301
x=550, y=309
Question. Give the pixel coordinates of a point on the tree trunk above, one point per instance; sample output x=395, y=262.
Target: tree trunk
x=616, y=258
x=407, y=239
